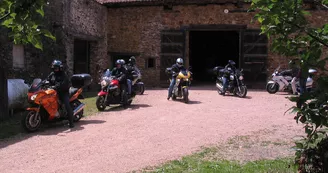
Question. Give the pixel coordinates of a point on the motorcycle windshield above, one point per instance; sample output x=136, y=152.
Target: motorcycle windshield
x=184, y=72
x=36, y=85
x=107, y=73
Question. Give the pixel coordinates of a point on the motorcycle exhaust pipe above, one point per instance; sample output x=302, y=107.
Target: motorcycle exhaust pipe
x=218, y=86
x=78, y=109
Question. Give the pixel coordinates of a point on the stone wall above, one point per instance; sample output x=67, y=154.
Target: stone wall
x=137, y=29
x=67, y=20
x=86, y=20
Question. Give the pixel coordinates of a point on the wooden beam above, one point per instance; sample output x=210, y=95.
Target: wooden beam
x=255, y=44
x=256, y=55
x=171, y=54
x=172, y=44
x=215, y=27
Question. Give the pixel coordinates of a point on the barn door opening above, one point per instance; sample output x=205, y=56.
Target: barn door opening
x=208, y=49
x=172, y=47
x=81, y=56
x=254, y=60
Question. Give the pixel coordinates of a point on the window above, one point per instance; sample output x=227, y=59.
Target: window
x=150, y=63
x=18, y=56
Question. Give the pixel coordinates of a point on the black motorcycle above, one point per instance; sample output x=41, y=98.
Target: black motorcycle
x=235, y=78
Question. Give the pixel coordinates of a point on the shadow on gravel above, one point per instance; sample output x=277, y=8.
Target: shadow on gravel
x=132, y=106
x=48, y=129
x=233, y=96
x=190, y=102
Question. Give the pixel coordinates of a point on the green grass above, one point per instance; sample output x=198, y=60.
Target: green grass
x=90, y=102
x=197, y=164
x=12, y=126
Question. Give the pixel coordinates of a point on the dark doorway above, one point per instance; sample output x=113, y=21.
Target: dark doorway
x=3, y=94
x=81, y=56
x=212, y=48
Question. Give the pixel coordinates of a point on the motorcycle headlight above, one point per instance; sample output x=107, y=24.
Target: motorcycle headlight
x=33, y=97
x=241, y=77
x=232, y=77
x=103, y=83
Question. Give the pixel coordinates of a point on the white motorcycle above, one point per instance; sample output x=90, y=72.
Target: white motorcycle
x=137, y=84
x=282, y=82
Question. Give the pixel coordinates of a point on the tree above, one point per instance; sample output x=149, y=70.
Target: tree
x=23, y=18
x=285, y=23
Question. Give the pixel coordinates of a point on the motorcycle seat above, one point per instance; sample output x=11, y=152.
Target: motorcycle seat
x=72, y=91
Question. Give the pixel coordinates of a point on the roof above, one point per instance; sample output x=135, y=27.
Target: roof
x=122, y=1
x=134, y=2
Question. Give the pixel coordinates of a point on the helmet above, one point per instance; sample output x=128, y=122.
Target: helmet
x=122, y=61
x=231, y=62
x=132, y=60
x=179, y=62
x=57, y=65
x=118, y=62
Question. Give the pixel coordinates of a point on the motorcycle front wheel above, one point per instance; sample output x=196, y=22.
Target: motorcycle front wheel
x=185, y=95
x=142, y=89
x=243, y=91
x=31, y=121
x=272, y=88
x=100, y=103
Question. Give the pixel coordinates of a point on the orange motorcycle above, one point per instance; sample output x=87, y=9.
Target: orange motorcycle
x=46, y=107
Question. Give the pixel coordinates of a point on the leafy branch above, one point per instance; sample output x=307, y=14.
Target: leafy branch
x=23, y=19
x=285, y=23
x=6, y=15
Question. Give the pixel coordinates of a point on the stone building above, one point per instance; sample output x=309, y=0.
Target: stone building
x=92, y=34
x=205, y=33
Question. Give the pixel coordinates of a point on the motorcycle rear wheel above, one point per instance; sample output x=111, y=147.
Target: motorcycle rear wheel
x=30, y=122
x=78, y=116
x=219, y=89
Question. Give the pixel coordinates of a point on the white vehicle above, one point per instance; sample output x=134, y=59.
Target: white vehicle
x=281, y=81
x=137, y=84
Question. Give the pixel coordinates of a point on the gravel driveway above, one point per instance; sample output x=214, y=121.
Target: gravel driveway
x=152, y=131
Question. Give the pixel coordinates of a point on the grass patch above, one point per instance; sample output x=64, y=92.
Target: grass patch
x=197, y=163
x=90, y=102
x=12, y=126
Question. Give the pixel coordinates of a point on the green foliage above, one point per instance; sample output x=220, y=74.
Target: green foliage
x=23, y=18
x=285, y=23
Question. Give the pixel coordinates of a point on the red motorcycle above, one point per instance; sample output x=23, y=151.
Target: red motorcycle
x=111, y=92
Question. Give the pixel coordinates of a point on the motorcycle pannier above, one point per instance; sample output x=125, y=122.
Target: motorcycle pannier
x=168, y=71
x=217, y=70
x=81, y=80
